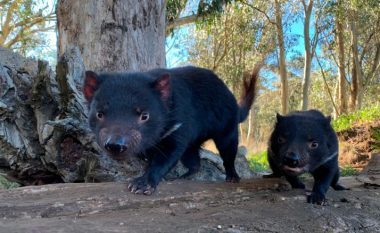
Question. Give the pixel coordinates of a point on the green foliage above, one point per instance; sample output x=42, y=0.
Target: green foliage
x=202, y=13
x=259, y=162
x=6, y=184
x=348, y=171
x=23, y=24
x=365, y=115
x=375, y=134
x=174, y=9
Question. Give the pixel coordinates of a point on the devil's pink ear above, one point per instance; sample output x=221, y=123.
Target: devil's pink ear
x=91, y=84
x=162, y=84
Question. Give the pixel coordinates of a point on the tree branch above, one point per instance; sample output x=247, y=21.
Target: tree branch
x=375, y=66
x=24, y=25
x=5, y=27
x=181, y=21
x=34, y=20
x=261, y=11
x=190, y=18
x=366, y=44
x=22, y=33
x=327, y=86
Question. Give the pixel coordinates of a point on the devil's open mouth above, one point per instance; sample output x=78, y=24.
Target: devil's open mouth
x=295, y=170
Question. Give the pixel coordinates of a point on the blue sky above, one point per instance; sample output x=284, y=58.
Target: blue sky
x=47, y=51
x=176, y=51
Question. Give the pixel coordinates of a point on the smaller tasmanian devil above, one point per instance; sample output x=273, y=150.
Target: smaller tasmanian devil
x=304, y=141
x=166, y=115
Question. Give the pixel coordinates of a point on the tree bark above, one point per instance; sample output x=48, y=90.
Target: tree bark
x=114, y=35
x=249, y=129
x=357, y=72
x=341, y=64
x=283, y=72
x=180, y=22
x=308, y=55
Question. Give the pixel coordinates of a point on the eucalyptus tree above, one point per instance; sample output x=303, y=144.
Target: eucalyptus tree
x=22, y=21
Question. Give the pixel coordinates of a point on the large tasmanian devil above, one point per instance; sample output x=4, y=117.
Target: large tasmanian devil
x=166, y=115
x=304, y=141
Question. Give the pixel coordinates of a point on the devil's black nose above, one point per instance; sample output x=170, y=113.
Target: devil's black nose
x=291, y=159
x=115, y=148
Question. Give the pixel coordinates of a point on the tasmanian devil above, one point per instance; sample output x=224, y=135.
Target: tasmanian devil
x=166, y=115
x=304, y=141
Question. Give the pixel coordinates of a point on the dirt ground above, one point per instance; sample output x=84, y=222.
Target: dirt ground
x=358, y=143
x=255, y=205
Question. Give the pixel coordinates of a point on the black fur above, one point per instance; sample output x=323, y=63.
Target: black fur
x=304, y=141
x=185, y=107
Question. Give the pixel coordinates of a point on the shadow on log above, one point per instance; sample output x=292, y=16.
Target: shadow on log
x=44, y=137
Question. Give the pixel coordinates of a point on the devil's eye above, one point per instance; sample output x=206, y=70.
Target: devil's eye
x=313, y=145
x=144, y=116
x=281, y=140
x=99, y=115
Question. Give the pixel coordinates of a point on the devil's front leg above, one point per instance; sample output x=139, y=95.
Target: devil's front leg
x=276, y=171
x=323, y=177
x=162, y=157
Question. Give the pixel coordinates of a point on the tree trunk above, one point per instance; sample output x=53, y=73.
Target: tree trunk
x=283, y=72
x=336, y=111
x=308, y=55
x=114, y=35
x=341, y=64
x=249, y=129
x=357, y=77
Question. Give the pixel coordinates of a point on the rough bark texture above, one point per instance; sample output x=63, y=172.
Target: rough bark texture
x=341, y=64
x=308, y=54
x=283, y=72
x=44, y=136
x=19, y=141
x=257, y=205
x=357, y=72
x=114, y=35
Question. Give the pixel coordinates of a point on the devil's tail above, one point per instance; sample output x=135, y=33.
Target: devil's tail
x=249, y=93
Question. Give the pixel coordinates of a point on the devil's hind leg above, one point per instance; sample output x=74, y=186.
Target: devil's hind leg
x=191, y=160
x=227, y=144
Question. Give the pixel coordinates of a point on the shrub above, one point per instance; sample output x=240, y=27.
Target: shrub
x=346, y=121
x=259, y=162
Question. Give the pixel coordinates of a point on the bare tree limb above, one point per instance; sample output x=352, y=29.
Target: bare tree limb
x=25, y=33
x=5, y=27
x=374, y=68
x=327, y=86
x=181, y=21
x=261, y=11
x=35, y=20
x=22, y=27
